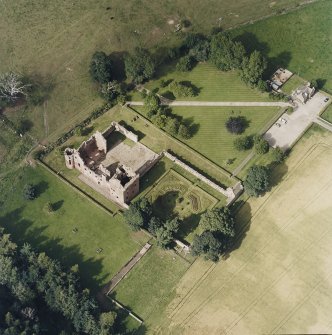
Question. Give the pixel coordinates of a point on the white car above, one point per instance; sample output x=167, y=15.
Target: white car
x=284, y=121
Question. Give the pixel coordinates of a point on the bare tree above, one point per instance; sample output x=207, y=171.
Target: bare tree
x=12, y=86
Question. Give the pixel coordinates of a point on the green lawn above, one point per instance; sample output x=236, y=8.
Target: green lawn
x=27, y=221
x=212, y=138
x=327, y=115
x=292, y=84
x=300, y=41
x=211, y=84
x=150, y=286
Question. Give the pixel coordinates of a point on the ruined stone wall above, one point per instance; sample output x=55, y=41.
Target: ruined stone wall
x=148, y=165
x=125, y=132
x=100, y=141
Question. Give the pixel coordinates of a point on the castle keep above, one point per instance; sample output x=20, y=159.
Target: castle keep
x=112, y=163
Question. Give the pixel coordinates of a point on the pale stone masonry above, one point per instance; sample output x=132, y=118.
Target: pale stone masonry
x=110, y=165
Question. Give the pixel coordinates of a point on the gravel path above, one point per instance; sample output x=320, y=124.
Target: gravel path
x=216, y=103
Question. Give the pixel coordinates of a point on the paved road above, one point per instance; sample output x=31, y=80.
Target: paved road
x=216, y=103
x=285, y=134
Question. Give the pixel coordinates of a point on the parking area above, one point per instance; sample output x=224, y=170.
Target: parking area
x=289, y=128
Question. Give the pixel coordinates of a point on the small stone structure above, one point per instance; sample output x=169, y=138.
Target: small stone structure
x=111, y=166
x=279, y=78
x=303, y=94
x=229, y=192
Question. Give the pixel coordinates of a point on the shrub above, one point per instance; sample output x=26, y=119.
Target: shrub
x=101, y=67
x=184, y=131
x=172, y=126
x=278, y=155
x=243, y=143
x=29, y=192
x=49, y=208
x=181, y=90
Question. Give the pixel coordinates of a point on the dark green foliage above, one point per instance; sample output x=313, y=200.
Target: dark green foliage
x=181, y=90
x=24, y=126
x=112, y=90
x=243, y=143
x=49, y=208
x=261, y=146
x=185, y=63
x=257, y=181
x=165, y=233
x=314, y=83
x=139, y=214
x=262, y=86
x=151, y=102
x=252, y=68
x=208, y=245
x=236, y=124
x=154, y=224
x=225, y=53
x=201, y=51
x=29, y=192
x=184, y=131
x=172, y=126
x=101, y=67
x=191, y=41
x=37, y=286
x=218, y=220
x=139, y=66
x=278, y=155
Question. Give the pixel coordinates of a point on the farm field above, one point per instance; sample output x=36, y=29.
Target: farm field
x=58, y=39
x=27, y=221
x=327, y=115
x=210, y=83
x=212, y=138
x=279, y=279
x=294, y=42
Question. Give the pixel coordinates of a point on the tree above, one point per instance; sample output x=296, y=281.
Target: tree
x=12, y=86
x=243, y=143
x=106, y=322
x=252, y=68
x=29, y=192
x=138, y=214
x=185, y=64
x=165, y=234
x=218, y=220
x=101, y=67
x=261, y=146
x=236, y=124
x=111, y=90
x=184, y=131
x=154, y=224
x=201, y=51
x=172, y=126
x=206, y=244
x=278, y=155
x=181, y=90
x=49, y=208
x=151, y=102
x=314, y=83
x=139, y=66
x=257, y=181
x=225, y=53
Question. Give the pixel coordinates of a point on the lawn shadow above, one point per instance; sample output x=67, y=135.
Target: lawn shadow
x=165, y=204
x=152, y=176
x=273, y=63
x=278, y=171
x=168, y=95
x=41, y=187
x=132, y=129
x=188, y=225
x=22, y=232
x=57, y=205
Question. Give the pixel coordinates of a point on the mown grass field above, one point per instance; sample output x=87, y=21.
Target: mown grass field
x=212, y=138
x=149, y=287
x=299, y=41
x=293, y=83
x=327, y=115
x=211, y=84
x=54, y=41
x=27, y=221
x=278, y=280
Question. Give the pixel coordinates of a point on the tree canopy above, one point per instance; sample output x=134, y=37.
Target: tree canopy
x=236, y=124
x=185, y=63
x=225, y=53
x=138, y=214
x=101, y=67
x=206, y=244
x=252, y=68
x=261, y=145
x=139, y=66
x=243, y=143
x=257, y=181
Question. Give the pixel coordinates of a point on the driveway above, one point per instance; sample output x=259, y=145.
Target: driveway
x=285, y=135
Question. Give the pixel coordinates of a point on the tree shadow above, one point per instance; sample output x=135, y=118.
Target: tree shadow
x=169, y=95
x=57, y=205
x=120, y=323
x=41, y=187
x=188, y=225
x=278, y=172
x=132, y=129
x=273, y=63
x=165, y=204
x=320, y=83
x=118, y=69
x=193, y=127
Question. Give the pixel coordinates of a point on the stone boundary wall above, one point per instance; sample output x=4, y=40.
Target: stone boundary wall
x=227, y=193
x=124, y=131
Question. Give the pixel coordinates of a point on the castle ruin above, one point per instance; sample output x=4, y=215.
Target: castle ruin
x=112, y=162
